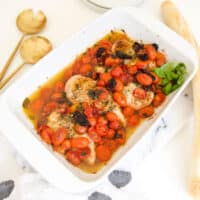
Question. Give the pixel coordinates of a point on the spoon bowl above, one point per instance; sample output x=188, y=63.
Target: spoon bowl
x=34, y=48
x=27, y=23
x=31, y=51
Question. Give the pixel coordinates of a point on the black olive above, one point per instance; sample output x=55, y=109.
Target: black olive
x=155, y=46
x=111, y=84
x=117, y=135
x=92, y=94
x=100, y=51
x=80, y=118
x=143, y=56
x=122, y=55
x=147, y=88
x=137, y=46
x=97, y=76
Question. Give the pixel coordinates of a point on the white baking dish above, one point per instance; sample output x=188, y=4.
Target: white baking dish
x=19, y=130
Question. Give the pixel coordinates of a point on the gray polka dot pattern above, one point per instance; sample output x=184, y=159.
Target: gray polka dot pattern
x=6, y=188
x=99, y=196
x=120, y=178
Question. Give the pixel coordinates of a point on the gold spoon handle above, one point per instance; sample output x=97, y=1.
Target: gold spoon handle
x=6, y=66
x=175, y=20
x=2, y=84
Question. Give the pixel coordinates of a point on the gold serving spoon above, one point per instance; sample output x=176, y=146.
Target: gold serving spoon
x=32, y=50
x=28, y=24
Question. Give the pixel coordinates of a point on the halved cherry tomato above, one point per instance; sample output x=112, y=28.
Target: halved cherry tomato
x=126, y=78
x=85, y=59
x=80, y=129
x=103, y=153
x=132, y=69
x=59, y=86
x=92, y=121
x=146, y=112
x=46, y=134
x=141, y=64
x=79, y=142
x=101, y=120
x=112, y=61
x=139, y=93
x=111, y=144
x=88, y=111
x=36, y=105
x=105, y=77
x=45, y=93
x=101, y=83
x=49, y=107
x=119, y=85
x=151, y=51
x=73, y=157
x=117, y=72
x=160, y=59
x=56, y=96
x=105, y=43
x=94, y=136
x=115, y=125
x=101, y=129
x=120, y=98
x=85, y=68
x=66, y=145
x=110, y=133
x=158, y=99
x=144, y=79
x=59, y=136
x=128, y=111
x=111, y=116
x=133, y=120
x=84, y=153
x=120, y=137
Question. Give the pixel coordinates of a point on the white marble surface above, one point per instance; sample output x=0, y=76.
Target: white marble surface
x=164, y=174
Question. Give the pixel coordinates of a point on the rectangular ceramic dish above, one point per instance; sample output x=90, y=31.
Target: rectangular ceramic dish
x=20, y=131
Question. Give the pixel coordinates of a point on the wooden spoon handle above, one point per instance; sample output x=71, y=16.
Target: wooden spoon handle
x=176, y=21
x=3, y=83
x=6, y=66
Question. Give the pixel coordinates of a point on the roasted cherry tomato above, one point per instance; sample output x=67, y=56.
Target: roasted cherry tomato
x=133, y=120
x=84, y=153
x=139, y=93
x=117, y=72
x=144, y=79
x=73, y=157
x=111, y=116
x=79, y=142
x=151, y=51
x=103, y=153
x=146, y=112
x=80, y=129
x=120, y=98
x=59, y=136
x=128, y=111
